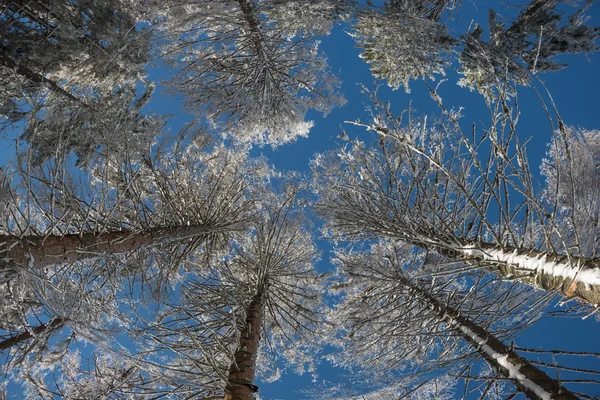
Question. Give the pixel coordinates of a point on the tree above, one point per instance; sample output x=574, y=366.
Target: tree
x=404, y=41
x=309, y=17
x=131, y=206
x=431, y=10
x=528, y=46
x=70, y=254
x=232, y=320
x=434, y=389
x=430, y=187
x=422, y=323
x=138, y=262
x=99, y=124
x=572, y=185
x=239, y=69
x=84, y=40
x=106, y=376
x=34, y=79
x=74, y=70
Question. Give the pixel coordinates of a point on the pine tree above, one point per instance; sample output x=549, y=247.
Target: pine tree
x=72, y=255
x=421, y=324
x=528, y=46
x=429, y=187
x=73, y=74
x=189, y=192
x=230, y=321
x=250, y=73
x=404, y=41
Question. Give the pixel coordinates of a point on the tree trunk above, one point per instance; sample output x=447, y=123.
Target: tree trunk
x=571, y=276
x=528, y=379
x=38, y=252
x=249, y=11
x=54, y=323
x=34, y=77
x=577, y=277
x=240, y=385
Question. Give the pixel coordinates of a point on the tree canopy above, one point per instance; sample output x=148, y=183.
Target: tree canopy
x=158, y=239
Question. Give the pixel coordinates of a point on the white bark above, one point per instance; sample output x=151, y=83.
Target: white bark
x=537, y=263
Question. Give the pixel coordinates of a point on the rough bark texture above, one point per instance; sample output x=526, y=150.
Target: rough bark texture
x=37, y=252
x=462, y=325
x=240, y=385
x=455, y=248
x=55, y=323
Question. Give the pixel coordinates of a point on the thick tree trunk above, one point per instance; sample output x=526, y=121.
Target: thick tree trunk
x=571, y=276
x=55, y=323
x=38, y=252
x=528, y=379
x=240, y=385
x=8, y=62
x=577, y=277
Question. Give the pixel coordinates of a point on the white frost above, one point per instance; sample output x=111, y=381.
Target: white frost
x=565, y=270
x=502, y=359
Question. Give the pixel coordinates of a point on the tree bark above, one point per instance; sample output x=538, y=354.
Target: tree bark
x=240, y=385
x=571, y=276
x=34, y=77
x=38, y=252
x=528, y=379
x=577, y=277
x=54, y=323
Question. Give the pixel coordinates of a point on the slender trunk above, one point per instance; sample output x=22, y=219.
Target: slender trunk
x=528, y=379
x=38, y=252
x=8, y=62
x=54, y=323
x=240, y=385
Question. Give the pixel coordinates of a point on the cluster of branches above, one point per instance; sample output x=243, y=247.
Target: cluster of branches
x=251, y=69
x=404, y=40
x=202, y=258
x=192, y=253
x=448, y=234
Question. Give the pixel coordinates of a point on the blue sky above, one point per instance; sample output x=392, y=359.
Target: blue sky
x=575, y=91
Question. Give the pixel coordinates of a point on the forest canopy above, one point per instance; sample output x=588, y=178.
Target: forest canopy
x=335, y=199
